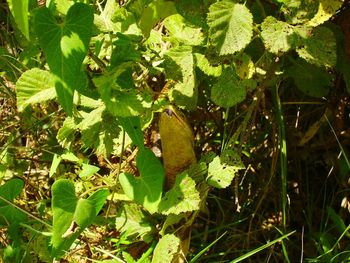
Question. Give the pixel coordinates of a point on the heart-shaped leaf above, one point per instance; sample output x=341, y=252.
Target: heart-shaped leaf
x=71, y=215
x=65, y=45
x=147, y=188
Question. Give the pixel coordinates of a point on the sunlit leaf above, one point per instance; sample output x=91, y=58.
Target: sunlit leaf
x=34, y=86
x=166, y=249
x=223, y=169
x=182, y=31
x=230, y=26
x=65, y=45
x=320, y=48
x=71, y=215
x=19, y=10
x=8, y=213
x=183, y=197
x=179, y=66
x=147, y=188
x=278, y=36
x=326, y=9
x=154, y=12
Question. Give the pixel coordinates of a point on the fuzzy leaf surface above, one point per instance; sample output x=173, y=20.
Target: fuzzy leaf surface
x=166, y=249
x=183, y=197
x=278, y=36
x=230, y=26
x=223, y=169
x=228, y=91
x=34, y=86
x=180, y=68
x=320, y=48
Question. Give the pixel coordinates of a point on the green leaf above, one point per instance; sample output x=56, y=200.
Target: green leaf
x=98, y=130
x=320, y=48
x=134, y=223
x=66, y=134
x=132, y=125
x=228, y=90
x=179, y=66
x=19, y=10
x=54, y=165
x=343, y=62
x=316, y=84
x=8, y=213
x=121, y=102
x=88, y=170
x=154, y=12
x=182, y=31
x=166, y=249
x=194, y=11
x=278, y=36
x=65, y=46
x=223, y=169
x=230, y=26
x=145, y=189
x=326, y=9
x=204, y=65
x=34, y=86
x=71, y=215
x=183, y=197
x=299, y=11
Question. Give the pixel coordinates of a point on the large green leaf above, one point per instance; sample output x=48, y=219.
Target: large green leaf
x=146, y=189
x=228, y=90
x=230, y=26
x=132, y=125
x=181, y=31
x=278, y=36
x=134, y=223
x=98, y=130
x=71, y=215
x=8, y=213
x=121, y=102
x=34, y=86
x=154, y=12
x=166, y=249
x=223, y=169
x=65, y=45
x=179, y=66
x=326, y=9
x=183, y=197
x=19, y=10
x=316, y=84
x=320, y=48
x=204, y=65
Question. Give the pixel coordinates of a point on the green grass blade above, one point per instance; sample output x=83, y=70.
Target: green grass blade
x=257, y=250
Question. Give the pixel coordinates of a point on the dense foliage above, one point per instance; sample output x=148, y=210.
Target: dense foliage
x=264, y=86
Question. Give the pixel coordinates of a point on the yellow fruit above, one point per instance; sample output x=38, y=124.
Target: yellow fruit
x=177, y=143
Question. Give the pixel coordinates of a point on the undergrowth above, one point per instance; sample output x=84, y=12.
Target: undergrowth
x=251, y=96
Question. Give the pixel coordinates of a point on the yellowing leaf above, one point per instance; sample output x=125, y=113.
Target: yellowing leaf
x=326, y=9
